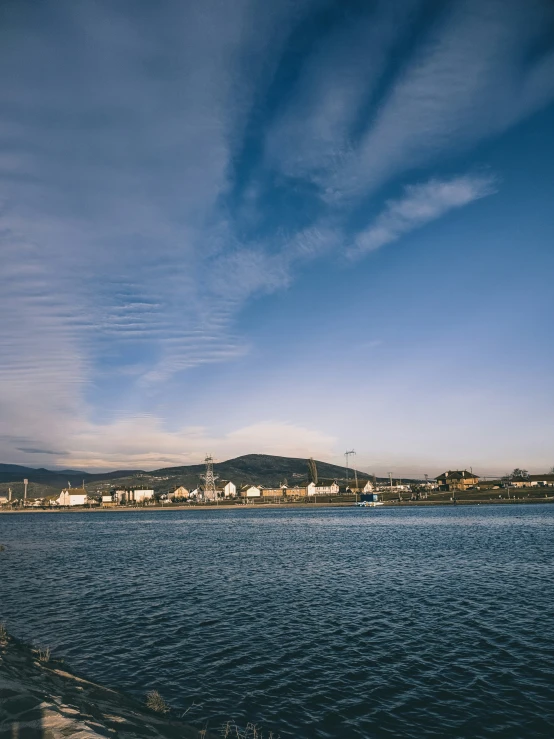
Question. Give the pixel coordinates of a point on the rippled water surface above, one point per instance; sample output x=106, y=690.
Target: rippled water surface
x=333, y=623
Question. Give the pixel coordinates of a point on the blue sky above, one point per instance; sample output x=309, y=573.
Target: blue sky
x=292, y=227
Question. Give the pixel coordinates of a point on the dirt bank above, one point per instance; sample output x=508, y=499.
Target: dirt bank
x=42, y=700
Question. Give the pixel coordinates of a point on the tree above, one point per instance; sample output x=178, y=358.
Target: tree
x=312, y=471
x=518, y=473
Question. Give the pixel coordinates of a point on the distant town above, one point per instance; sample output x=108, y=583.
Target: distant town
x=450, y=486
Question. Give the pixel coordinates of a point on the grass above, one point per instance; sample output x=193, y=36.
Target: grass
x=43, y=654
x=155, y=702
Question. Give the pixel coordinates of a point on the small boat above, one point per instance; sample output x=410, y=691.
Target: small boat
x=369, y=503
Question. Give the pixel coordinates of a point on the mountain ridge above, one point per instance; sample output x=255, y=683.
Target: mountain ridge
x=263, y=469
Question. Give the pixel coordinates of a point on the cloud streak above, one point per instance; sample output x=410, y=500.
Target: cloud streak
x=39, y=451
x=420, y=205
x=473, y=74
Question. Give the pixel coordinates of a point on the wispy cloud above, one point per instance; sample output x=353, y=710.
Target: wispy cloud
x=28, y=450
x=315, y=131
x=147, y=445
x=473, y=76
x=192, y=159
x=110, y=216
x=480, y=68
x=421, y=204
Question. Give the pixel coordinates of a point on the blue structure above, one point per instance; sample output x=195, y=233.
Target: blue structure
x=369, y=497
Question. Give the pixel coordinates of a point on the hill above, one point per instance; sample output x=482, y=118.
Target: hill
x=263, y=469
x=16, y=473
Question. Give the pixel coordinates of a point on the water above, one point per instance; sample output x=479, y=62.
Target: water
x=332, y=623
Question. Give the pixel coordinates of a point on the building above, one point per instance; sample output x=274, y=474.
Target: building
x=50, y=501
x=251, y=491
x=228, y=488
x=108, y=500
x=72, y=497
x=278, y=492
x=395, y=488
x=141, y=495
x=544, y=480
x=489, y=484
x=363, y=486
x=296, y=491
x=180, y=493
x=428, y=485
x=326, y=489
x=3, y=499
x=138, y=495
x=519, y=482
x=369, y=497
x=457, y=480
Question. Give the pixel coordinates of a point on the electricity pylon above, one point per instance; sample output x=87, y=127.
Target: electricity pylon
x=209, y=479
x=346, y=455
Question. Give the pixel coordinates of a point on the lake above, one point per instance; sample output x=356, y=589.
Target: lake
x=328, y=623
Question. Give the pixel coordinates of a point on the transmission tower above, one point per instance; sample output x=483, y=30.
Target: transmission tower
x=346, y=455
x=209, y=479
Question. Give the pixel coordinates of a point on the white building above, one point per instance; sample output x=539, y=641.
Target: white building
x=253, y=492
x=72, y=497
x=314, y=489
x=368, y=487
x=3, y=500
x=394, y=488
x=133, y=496
x=542, y=480
x=142, y=495
x=229, y=489
x=107, y=498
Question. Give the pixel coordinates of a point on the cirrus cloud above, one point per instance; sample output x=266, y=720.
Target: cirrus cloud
x=420, y=205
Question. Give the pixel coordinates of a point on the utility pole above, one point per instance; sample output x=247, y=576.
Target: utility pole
x=26, y=483
x=346, y=455
x=390, y=483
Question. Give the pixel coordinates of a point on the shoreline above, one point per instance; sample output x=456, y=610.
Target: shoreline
x=41, y=697
x=277, y=506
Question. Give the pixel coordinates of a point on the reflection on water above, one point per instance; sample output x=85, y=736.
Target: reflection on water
x=333, y=623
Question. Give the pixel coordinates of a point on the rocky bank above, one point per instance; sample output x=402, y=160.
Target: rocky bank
x=39, y=698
